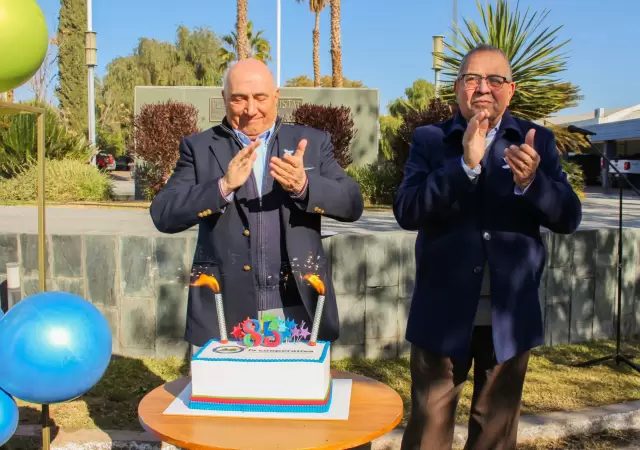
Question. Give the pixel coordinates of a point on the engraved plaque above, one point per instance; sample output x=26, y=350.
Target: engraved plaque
x=286, y=106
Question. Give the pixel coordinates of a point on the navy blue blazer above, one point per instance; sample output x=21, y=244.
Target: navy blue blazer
x=463, y=224
x=191, y=197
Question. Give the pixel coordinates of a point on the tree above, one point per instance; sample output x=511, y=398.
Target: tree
x=533, y=55
x=316, y=7
x=42, y=79
x=192, y=60
x=72, y=89
x=417, y=96
x=325, y=81
x=241, y=29
x=336, y=50
x=257, y=47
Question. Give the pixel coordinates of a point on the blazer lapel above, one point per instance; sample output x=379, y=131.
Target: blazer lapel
x=224, y=149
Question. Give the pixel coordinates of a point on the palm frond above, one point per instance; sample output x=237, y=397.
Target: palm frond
x=533, y=49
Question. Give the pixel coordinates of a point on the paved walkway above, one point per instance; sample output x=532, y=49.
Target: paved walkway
x=599, y=211
x=557, y=425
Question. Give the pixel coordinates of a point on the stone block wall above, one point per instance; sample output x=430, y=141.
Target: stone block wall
x=140, y=284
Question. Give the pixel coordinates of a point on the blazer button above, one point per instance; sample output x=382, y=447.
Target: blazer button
x=477, y=270
x=246, y=232
x=247, y=268
x=486, y=235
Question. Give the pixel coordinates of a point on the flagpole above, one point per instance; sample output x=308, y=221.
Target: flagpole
x=278, y=24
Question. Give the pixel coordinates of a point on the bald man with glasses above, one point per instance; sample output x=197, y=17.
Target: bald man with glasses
x=477, y=188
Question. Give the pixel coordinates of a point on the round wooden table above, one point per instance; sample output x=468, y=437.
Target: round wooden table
x=375, y=409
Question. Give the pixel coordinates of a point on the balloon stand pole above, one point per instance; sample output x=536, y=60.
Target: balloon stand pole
x=46, y=436
x=18, y=108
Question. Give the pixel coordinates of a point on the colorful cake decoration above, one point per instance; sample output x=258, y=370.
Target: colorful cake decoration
x=269, y=331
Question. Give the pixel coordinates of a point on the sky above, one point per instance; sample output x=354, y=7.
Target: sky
x=386, y=45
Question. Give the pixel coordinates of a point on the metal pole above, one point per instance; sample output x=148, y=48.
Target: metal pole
x=91, y=81
x=42, y=274
x=278, y=26
x=455, y=20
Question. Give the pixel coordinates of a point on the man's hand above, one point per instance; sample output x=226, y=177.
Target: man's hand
x=523, y=160
x=473, y=140
x=240, y=168
x=289, y=171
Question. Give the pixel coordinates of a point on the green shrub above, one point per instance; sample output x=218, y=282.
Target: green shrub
x=336, y=120
x=65, y=181
x=378, y=181
x=575, y=176
x=18, y=138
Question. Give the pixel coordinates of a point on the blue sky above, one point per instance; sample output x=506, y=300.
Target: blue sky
x=385, y=44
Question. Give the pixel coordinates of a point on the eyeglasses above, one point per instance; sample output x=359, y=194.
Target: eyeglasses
x=472, y=80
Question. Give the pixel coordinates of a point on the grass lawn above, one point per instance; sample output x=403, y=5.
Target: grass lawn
x=551, y=385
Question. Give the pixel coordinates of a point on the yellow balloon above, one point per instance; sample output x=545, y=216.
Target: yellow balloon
x=24, y=40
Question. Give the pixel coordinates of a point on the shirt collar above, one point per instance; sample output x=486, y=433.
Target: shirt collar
x=245, y=139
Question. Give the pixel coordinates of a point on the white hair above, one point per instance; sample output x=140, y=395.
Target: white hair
x=225, y=78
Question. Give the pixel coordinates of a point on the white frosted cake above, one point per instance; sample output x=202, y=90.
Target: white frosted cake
x=291, y=375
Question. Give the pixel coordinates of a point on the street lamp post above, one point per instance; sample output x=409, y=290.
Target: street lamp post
x=438, y=45
x=91, y=57
x=278, y=25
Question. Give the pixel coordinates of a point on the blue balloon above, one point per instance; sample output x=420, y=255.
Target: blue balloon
x=8, y=417
x=55, y=346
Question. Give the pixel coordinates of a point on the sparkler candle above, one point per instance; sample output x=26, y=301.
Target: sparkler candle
x=211, y=282
x=318, y=285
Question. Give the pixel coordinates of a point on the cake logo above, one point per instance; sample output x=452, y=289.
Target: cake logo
x=228, y=349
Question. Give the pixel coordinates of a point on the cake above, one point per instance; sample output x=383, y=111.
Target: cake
x=268, y=366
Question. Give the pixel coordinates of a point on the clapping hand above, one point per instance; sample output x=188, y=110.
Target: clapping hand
x=289, y=171
x=523, y=160
x=240, y=168
x=474, y=137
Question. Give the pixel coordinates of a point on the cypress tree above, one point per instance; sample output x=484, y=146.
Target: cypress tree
x=72, y=89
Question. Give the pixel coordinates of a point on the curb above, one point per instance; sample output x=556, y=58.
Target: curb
x=555, y=425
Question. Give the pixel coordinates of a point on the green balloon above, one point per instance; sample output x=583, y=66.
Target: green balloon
x=24, y=40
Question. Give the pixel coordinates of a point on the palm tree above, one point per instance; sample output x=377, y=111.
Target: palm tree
x=241, y=28
x=533, y=55
x=316, y=7
x=256, y=47
x=336, y=52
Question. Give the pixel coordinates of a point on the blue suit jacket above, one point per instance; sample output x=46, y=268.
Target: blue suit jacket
x=463, y=224
x=192, y=197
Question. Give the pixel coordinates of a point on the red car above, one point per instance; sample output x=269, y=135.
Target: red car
x=104, y=161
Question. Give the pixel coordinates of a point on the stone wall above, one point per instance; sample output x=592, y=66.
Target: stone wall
x=140, y=284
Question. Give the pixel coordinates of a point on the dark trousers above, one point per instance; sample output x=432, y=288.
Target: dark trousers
x=436, y=384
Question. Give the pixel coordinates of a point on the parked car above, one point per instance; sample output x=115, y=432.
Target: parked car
x=105, y=161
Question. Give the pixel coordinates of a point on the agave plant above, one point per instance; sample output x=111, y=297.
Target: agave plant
x=18, y=136
x=533, y=53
